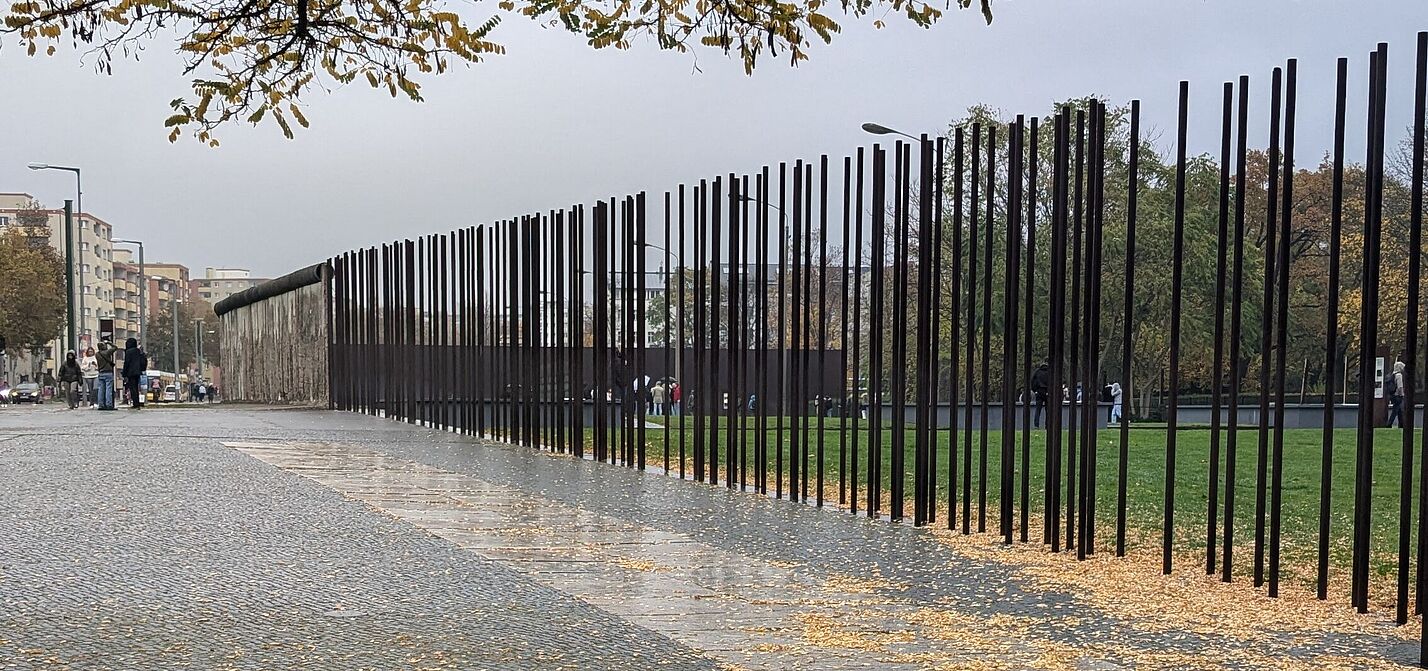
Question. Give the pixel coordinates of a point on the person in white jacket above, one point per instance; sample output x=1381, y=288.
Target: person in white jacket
x=89, y=367
x=1116, y=394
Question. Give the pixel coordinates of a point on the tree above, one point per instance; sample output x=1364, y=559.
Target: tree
x=32, y=221
x=254, y=59
x=32, y=301
x=1310, y=243
x=159, y=335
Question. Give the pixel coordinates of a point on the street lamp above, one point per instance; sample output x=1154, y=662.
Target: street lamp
x=750, y=199
x=878, y=129
x=198, y=334
x=668, y=274
x=68, y=243
x=173, y=306
x=143, y=285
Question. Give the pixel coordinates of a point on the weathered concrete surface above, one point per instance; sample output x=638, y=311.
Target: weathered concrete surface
x=275, y=350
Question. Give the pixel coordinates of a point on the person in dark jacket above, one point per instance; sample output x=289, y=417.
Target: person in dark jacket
x=135, y=363
x=105, y=360
x=1040, y=384
x=71, y=377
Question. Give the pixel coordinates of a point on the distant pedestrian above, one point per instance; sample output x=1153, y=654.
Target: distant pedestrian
x=1040, y=384
x=104, y=363
x=71, y=378
x=135, y=363
x=676, y=397
x=89, y=367
x=1394, y=388
x=202, y=391
x=659, y=395
x=1117, y=394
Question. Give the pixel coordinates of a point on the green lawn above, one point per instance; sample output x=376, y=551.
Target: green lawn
x=1145, y=487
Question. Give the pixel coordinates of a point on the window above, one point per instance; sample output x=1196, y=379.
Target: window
x=4, y=221
x=84, y=269
x=83, y=246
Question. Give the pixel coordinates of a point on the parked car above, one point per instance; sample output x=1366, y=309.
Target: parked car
x=26, y=392
x=170, y=394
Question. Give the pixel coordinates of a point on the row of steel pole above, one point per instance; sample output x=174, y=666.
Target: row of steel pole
x=552, y=329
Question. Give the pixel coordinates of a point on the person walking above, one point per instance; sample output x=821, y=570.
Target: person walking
x=1117, y=394
x=71, y=378
x=676, y=397
x=104, y=378
x=1394, y=388
x=89, y=368
x=135, y=363
x=1040, y=384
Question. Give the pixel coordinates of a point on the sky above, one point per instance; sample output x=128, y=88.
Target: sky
x=553, y=122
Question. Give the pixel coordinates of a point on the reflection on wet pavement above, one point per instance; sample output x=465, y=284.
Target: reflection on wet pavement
x=745, y=612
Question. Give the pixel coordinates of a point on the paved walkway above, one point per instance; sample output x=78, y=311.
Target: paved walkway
x=231, y=538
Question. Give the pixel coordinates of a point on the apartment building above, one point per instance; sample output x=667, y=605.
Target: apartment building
x=129, y=291
x=220, y=283
x=167, y=281
x=93, y=260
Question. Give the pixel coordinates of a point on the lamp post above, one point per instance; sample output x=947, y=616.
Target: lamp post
x=69, y=242
x=198, y=346
x=68, y=278
x=160, y=281
x=174, y=302
x=198, y=334
x=667, y=272
x=143, y=285
x=879, y=129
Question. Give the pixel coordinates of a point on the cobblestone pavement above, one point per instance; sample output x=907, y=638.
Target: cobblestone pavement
x=137, y=541
x=258, y=538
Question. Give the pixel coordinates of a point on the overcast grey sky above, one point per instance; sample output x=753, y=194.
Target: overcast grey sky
x=553, y=122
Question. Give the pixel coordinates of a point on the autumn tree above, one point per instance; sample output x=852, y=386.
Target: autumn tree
x=1310, y=242
x=252, y=60
x=33, y=221
x=32, y=301
x=159, y=335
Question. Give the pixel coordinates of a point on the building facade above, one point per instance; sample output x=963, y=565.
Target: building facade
x=220, y=283
x=93, y=262
x=128, y=295
x=167, y=282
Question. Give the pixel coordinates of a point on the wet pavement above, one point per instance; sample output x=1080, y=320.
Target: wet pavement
x=253, y=538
